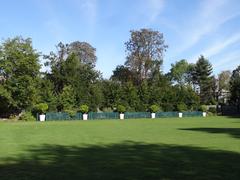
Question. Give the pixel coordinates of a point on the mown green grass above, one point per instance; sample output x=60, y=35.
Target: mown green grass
x=171, y=148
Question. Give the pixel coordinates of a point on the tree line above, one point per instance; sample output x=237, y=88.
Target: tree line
x=137, y=84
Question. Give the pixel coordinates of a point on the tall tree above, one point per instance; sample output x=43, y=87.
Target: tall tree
x=235, y=87
x=202, y=77
x=67, y=68
x=145, y=47
x=223, y=85
x=19, y=66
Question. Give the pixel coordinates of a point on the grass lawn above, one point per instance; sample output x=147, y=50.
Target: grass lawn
x=187, y=148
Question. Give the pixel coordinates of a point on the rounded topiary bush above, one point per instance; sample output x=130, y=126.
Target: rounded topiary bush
x=182, y=107
x=84, y=109
x=154, y=108
x=41, y=108
x=27, y=116
x=121, y=109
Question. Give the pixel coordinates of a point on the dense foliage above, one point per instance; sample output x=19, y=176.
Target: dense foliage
x=154, y=108
x=235, y=87
x=20, y=73
x=72, y=79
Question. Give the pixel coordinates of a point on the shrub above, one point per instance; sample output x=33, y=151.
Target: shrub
x=121, y=109
x=203, y=108
x=71, y=113
x=154, y=108
x=210, y=114
x=84, y=109
x=41, y=108
x=13, y=117
x=182, y=107
x=212, y=110
x=27, y=116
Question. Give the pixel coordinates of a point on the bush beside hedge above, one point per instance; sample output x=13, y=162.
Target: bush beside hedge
x=27, y=116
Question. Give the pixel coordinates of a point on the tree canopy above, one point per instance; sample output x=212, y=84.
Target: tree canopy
x=73, y=80
x=19, y=69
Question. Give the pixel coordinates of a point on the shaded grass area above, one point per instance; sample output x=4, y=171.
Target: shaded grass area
x=234, y=132
x=187, y=148
x=127, y=160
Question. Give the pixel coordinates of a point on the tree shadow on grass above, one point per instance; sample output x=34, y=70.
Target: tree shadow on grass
x=234, y=117
x=128, y=160
x=234, y=132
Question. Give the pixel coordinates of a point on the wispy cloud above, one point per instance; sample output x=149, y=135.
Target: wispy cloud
x=52, y=22
x=88, y=9
x=56, y=28
x=218, y=47
x=155, y=8
x=210, y=17
x=228, y=61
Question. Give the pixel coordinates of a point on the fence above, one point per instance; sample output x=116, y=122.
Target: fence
x=230, y=110
x=103, y=115
x=192, y=114
x=60, y=116
x=136, y=115
x=166, y=114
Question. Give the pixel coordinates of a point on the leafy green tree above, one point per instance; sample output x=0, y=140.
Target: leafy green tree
x=67, y=68
x=235, y=87
x=19, y=66
x=67, y=99
x=180, y=72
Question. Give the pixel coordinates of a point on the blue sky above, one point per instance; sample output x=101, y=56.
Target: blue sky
x=190, y=27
